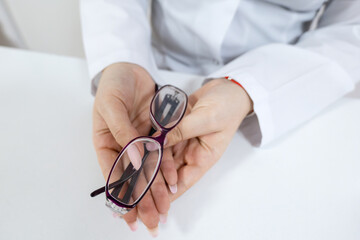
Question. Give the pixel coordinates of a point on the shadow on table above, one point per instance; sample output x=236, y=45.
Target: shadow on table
x=355, y=93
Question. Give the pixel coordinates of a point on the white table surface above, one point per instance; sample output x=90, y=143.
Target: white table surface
x=304, y=186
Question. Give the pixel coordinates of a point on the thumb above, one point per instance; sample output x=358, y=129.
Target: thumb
x=117, y=119
x=199, y=122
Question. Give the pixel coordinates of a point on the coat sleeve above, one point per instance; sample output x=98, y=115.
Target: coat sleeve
x=290, y=84
x=116, y=31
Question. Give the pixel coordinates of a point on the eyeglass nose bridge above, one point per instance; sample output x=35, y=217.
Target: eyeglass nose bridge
x=162, y=136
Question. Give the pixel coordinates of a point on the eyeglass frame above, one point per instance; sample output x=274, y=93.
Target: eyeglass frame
x=115, y=204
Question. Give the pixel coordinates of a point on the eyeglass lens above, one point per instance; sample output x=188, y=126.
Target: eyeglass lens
x=168, y=106
x=127, y=184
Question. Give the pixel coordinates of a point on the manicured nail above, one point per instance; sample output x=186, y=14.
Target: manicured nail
x=154, y=232
x=133, y=226
x=134, y=155
x=151, y=146
x=165, y=141
x=163, y=218
x=173, y=188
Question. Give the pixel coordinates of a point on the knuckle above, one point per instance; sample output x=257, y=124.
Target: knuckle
x=118, y=133
x=169, y=174
x=177, y=135
x=159, y=190
x=167, y=167
x=145, y=207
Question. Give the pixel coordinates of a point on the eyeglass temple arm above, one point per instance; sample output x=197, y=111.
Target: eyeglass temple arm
x=133, y=182
x=127, y=174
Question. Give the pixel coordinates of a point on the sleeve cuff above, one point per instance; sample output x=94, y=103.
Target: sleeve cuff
x=288, y=86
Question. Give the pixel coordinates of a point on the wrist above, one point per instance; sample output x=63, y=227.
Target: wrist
x=244, y=98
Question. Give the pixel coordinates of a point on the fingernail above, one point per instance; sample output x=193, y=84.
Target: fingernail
x=133, y=226
x=154, y=232
x=151, y=146
x=173, y=188
x=163, y=218
x=165, y=141
x=134, y=156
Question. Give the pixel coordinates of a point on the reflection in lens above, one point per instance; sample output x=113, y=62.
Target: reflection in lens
x=126, y=183
x=168, y=106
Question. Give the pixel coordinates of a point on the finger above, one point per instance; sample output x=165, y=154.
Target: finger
x=131, y=219
x=160, y=195
x=178, y=152
x=168, y=170
x=118, y=122
x=199, y=122
x=187, y=178
x=188, y=175
x=148, y=213
x=102, y=137
x=105, y=145
x=195, y=163
x=158, y=188
x=146, y=208
x=106, y=158
x=117, y=118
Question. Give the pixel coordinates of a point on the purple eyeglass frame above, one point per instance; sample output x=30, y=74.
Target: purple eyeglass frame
x=113, y=203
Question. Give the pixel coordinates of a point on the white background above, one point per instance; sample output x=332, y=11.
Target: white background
x=305, y=186
x=51, y=26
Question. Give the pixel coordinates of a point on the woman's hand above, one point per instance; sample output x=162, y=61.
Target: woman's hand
x=120, y=114
x=216, y=111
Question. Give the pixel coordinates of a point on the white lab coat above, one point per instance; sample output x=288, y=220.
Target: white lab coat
x=290, y=73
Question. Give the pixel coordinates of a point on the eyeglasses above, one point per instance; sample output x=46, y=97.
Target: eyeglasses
x=127, y=185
